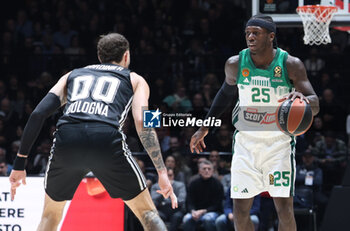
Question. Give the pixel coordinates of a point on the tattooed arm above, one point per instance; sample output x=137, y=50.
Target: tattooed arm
x=149, y=140
x=148, y=136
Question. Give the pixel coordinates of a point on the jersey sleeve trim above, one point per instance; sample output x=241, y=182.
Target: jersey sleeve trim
x=239, y=65
x=285, y=57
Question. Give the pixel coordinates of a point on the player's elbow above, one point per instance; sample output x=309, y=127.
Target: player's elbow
x=315, y=107
x=38, y=114
x=314, y=103
x=315, y=110
x=138, y=123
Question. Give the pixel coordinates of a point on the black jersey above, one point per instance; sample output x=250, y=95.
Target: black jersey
x=99, y=93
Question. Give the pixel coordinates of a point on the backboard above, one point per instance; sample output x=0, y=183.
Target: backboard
x=284, y=12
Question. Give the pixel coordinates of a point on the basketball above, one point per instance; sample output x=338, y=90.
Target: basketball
x=294, y=117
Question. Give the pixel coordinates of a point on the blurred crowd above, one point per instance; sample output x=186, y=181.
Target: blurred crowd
x=180, y=47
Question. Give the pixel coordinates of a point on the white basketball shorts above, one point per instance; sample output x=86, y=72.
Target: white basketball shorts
x=262, y=164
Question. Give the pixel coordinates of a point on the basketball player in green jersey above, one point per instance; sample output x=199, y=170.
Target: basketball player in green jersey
x=263, y=156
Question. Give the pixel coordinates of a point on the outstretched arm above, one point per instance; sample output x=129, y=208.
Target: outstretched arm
x=303, y=88
x=49, y=104
x=220, y=103
x=224, y=96
x=148, y=136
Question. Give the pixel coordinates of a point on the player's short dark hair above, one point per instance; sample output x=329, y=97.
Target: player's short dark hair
x=111, y=47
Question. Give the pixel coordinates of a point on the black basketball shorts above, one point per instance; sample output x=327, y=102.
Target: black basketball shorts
x=100, y=148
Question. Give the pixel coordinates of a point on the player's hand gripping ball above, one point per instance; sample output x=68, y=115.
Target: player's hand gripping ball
x=294, y=117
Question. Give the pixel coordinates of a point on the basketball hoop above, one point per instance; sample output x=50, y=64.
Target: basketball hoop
x=316, y=20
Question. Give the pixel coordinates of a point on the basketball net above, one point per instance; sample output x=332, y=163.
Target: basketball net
x=316, y=20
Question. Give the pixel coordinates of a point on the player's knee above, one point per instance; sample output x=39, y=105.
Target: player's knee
x=52, y=217
x=241, y=212
x=152, y=221
x=285, y=214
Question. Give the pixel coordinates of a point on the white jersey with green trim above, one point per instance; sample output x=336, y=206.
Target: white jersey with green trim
x=259, y=91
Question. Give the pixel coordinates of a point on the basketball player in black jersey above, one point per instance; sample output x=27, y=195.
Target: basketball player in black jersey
x=89, y=137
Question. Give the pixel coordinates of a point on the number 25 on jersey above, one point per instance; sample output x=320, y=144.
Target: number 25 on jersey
x=260, y=95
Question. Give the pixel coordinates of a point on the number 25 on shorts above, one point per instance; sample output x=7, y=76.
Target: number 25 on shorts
x=281, y=178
